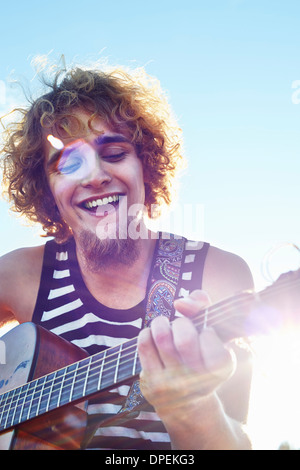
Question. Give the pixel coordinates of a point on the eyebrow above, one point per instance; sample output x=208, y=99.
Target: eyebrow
x=111, y=139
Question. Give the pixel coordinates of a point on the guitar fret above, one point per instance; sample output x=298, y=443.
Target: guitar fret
x=9, y=409
x=6, y=395
x=41, y=400
x=2, y=398
x=92, y=378
x=135, y=362
x=109, y=366
x=128, y=361
x=18, y=405
x=61, y=387
x=94, y=369
x=80, y=379
x=35, y=412
x=50, y=390
x=101, y=370
x=56, y=389
x=68, y=385
x=117, y=364
x=73, y=381
x=28, y=404
x=4, y=408
x=28, y=400
x=22, y=407
x=15, y=410
x=86, y=377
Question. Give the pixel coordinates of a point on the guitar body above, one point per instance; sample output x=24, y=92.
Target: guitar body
x=32, y=352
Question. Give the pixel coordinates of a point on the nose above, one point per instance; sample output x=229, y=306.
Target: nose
x=96, y=173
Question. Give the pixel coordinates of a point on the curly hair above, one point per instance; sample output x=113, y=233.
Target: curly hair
x=129, y=102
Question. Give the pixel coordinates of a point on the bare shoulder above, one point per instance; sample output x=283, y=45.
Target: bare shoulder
x=225, y=274
x=22, y=260
x=20, y=272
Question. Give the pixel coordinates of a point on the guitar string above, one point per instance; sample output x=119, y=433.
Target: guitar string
x=217, y=319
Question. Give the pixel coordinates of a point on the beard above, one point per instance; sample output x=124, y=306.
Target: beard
x=103, y=253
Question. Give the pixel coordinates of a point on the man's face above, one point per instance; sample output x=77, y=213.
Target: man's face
x=94, y=179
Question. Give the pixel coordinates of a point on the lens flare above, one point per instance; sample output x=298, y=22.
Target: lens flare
x=55, y=142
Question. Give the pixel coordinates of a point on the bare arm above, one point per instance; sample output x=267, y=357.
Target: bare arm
x=20, y=272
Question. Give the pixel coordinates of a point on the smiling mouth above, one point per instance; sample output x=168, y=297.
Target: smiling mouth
x=96, y=204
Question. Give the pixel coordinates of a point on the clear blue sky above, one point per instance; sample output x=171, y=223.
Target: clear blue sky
x=228, y=67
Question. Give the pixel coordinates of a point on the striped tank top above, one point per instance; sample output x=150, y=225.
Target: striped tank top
x=65, y=307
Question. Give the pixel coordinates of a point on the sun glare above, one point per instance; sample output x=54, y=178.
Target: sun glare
x=55, y=142
x=274, y=419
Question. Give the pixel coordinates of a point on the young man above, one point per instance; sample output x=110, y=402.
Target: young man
x=89, y=160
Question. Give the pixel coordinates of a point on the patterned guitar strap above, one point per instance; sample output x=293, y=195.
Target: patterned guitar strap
x=164, y=280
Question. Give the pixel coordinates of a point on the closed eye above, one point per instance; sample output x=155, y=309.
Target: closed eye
x=114, y=157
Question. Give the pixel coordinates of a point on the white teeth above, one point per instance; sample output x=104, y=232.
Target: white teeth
x=100, y=202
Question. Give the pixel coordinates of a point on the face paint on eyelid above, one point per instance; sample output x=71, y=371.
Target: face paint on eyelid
x=76, y=160
x=70, y=166
x=62, y=150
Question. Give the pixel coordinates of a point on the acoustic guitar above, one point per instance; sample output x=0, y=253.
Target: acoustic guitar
x=45, y=381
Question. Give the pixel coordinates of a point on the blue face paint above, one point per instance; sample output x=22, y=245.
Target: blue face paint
x=22, y=365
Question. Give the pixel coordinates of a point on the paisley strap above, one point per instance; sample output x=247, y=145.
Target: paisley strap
x=162, y=290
